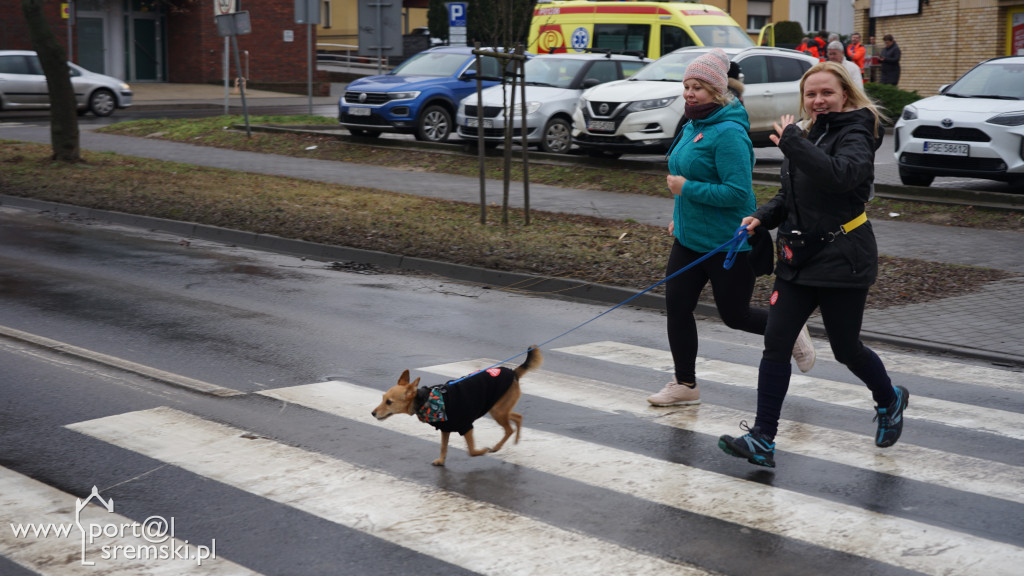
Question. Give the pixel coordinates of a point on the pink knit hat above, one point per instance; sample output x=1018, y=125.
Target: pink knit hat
x=712, y=68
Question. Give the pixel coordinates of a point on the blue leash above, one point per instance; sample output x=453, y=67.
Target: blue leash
x=733, y=248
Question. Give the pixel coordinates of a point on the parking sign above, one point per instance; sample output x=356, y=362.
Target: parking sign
x=456, y=14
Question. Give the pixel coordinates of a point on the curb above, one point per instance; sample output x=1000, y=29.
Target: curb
x=510, y=281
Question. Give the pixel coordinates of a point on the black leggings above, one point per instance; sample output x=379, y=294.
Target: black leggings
x=732, y=290
x=842, y=311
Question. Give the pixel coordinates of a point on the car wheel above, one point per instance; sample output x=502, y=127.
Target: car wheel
x=557, y=136
x=435, y=124
x=914, y=179
x=363, y=133
x=102, y=103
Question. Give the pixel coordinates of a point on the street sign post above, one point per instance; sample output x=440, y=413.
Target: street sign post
x=308, y=12
x=231, y=25
x=380, y=29
x=456, y=23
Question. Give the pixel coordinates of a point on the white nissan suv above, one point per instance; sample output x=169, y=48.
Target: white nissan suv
x=643, y=114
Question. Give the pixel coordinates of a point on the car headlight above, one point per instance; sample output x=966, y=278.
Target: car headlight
x=403, y=95
x=125, y=87
x=651, y=104
x=531, y=107
x=1008, y=119
x=909, y=113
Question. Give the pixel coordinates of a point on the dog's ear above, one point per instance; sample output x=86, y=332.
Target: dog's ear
x=403, y=380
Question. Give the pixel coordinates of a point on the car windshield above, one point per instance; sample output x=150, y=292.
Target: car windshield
x=431, y=64
x=557, y=72
x=670, y=68
x=999, y=79
x=723, y=36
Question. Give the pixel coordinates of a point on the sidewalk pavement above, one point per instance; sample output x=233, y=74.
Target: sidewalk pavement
x=987, y=324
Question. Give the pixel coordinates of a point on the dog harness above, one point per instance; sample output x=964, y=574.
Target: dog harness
x=432, y=409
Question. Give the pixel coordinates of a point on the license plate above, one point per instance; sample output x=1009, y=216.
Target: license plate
x=947, y=149
x=359, y=111
x=601, y=126
x=472, y=123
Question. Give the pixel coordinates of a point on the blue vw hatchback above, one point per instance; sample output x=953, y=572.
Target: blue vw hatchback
x=418, y=97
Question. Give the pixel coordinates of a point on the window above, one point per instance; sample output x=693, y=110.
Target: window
x=788, y=69
x=604, y=70
x=755, y=70
x=815, y=16
x=20, y=65
x=759, y=14
x=674, y=37
x=622, y=37
x=327, y=14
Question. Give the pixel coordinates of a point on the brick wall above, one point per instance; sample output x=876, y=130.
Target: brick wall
x=945, y=40
x=195, y=52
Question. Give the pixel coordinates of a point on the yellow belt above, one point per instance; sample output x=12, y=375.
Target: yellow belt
x=853, y=224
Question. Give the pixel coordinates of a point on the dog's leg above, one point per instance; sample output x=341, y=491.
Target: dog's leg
x=473, y=451
x=503, y=415
x=517, y=419
x=444, y=449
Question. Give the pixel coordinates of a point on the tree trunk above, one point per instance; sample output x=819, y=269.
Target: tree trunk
x=63, y=111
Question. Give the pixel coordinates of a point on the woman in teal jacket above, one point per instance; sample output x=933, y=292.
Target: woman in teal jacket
x=710, y=169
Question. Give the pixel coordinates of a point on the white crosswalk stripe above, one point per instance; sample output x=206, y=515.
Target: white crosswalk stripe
x=34, y=503
x=974, y=418
x=793, y=515
x=377, y=502
x=905, y=460
x=384, y=506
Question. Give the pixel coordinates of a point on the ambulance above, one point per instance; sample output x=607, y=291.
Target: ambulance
x=652, y=29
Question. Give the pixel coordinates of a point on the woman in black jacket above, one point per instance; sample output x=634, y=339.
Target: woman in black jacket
x=827, y=256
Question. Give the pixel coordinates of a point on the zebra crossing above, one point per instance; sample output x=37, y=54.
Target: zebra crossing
x=500, y=537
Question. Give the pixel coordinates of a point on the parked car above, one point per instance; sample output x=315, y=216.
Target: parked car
x=643, y=114
x=554, y=83
x=974, y=128
x=23, y=86
x=419, y=96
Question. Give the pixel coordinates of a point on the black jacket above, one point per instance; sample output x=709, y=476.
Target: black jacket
x=827, y=178
x=468, y=399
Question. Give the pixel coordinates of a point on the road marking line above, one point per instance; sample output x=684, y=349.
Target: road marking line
x=793, y=515
x=373, y=502
x=965, y=416
x=120, y=363
x=26, y=501
x=905, y=460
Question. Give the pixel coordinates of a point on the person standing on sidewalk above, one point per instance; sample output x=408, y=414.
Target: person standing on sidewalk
x=889, y=60
x=827, y=253
x=856, y=52
x=711, y=166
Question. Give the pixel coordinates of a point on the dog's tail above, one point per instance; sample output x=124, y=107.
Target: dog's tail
x=533, y=361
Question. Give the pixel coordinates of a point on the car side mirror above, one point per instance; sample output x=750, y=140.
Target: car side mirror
x=468, y=75
x=590, y=83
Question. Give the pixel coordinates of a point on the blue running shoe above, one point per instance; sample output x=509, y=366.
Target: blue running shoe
x=755, y=447
x=890, y=420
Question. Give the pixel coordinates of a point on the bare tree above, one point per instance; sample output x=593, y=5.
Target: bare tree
x=64, y=135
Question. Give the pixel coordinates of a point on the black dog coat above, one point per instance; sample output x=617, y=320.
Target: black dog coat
x=454, y=407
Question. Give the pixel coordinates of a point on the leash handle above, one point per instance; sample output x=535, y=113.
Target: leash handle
x=732, y=244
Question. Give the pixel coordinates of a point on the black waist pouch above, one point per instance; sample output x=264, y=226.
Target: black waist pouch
x=795, y=248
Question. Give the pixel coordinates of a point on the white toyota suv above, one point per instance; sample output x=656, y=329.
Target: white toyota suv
x=643, y=114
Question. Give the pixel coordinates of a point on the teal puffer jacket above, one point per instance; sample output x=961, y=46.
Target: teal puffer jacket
x=717, y=159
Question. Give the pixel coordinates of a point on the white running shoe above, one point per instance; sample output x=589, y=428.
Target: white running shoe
x=675, y=394
x=803, y=350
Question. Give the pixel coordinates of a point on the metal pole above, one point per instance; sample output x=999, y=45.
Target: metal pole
x=227, y=75
x=380, y=37
x=71, y=22
x=309, y=65
x=480, y=138
x=241, y=85
x=526, y=155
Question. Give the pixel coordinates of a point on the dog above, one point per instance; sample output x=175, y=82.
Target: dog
x=453, y=407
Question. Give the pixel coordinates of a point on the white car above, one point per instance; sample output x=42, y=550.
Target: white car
x=23, y=86
x=554, y=83
x=644, y=113
x=974, y=128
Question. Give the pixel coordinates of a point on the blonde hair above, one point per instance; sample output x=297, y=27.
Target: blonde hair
x=722, y=99
x=856, y=97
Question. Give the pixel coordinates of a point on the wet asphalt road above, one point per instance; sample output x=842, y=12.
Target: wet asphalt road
x=268, y=325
